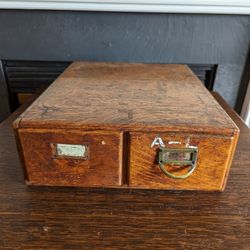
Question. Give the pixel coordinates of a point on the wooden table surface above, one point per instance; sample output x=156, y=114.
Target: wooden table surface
x=80, y=218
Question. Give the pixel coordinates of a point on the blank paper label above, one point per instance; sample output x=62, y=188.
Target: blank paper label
x=71, y=150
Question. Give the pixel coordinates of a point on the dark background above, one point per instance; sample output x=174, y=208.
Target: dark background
x=219, y=41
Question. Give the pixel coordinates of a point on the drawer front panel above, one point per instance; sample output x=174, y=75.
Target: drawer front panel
x=209, y=155
x=72, y=157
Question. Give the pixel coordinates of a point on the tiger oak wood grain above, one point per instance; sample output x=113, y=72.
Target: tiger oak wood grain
x=136, y=102
x=81, y=218
x=102, y=168
x=127, y=96
x=209, y=174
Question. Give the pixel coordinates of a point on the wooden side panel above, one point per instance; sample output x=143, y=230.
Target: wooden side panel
x=103, y=166
x=214, y=159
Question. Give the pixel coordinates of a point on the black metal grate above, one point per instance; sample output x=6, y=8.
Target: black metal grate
x=25, y=77
x=28, y=76
x=206, y=73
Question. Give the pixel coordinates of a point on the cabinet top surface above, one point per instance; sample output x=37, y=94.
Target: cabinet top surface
x=122, y=95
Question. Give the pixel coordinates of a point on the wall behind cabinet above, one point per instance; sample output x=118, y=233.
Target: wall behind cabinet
x=131, y=37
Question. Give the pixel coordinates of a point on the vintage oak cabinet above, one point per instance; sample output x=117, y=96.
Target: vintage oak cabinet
x=120, y=125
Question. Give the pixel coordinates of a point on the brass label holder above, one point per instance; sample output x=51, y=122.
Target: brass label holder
x=178, y=157
x=75, y=151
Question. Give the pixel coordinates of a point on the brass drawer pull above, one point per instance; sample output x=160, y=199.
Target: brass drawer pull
x=178, y=157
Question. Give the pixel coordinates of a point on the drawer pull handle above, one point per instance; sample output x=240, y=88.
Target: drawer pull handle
x=178, y=157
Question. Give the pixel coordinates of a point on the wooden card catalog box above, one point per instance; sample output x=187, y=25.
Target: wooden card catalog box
x=120, y=125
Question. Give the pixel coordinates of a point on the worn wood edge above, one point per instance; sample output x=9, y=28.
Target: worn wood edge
x=219, y=107
x=236, y=118
x=15, y=126
x=32, y=100
x=125, y=127
x=231, y=157
x=20, y=112
x=20, y=153
x=15, y=119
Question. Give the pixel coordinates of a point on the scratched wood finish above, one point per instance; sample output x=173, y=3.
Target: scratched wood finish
x=125, y=99
x=130, y=96
x=102, y=168
x=81, y=218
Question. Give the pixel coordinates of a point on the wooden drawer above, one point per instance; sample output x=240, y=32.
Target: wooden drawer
x=213, y=161
x=94, y=160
